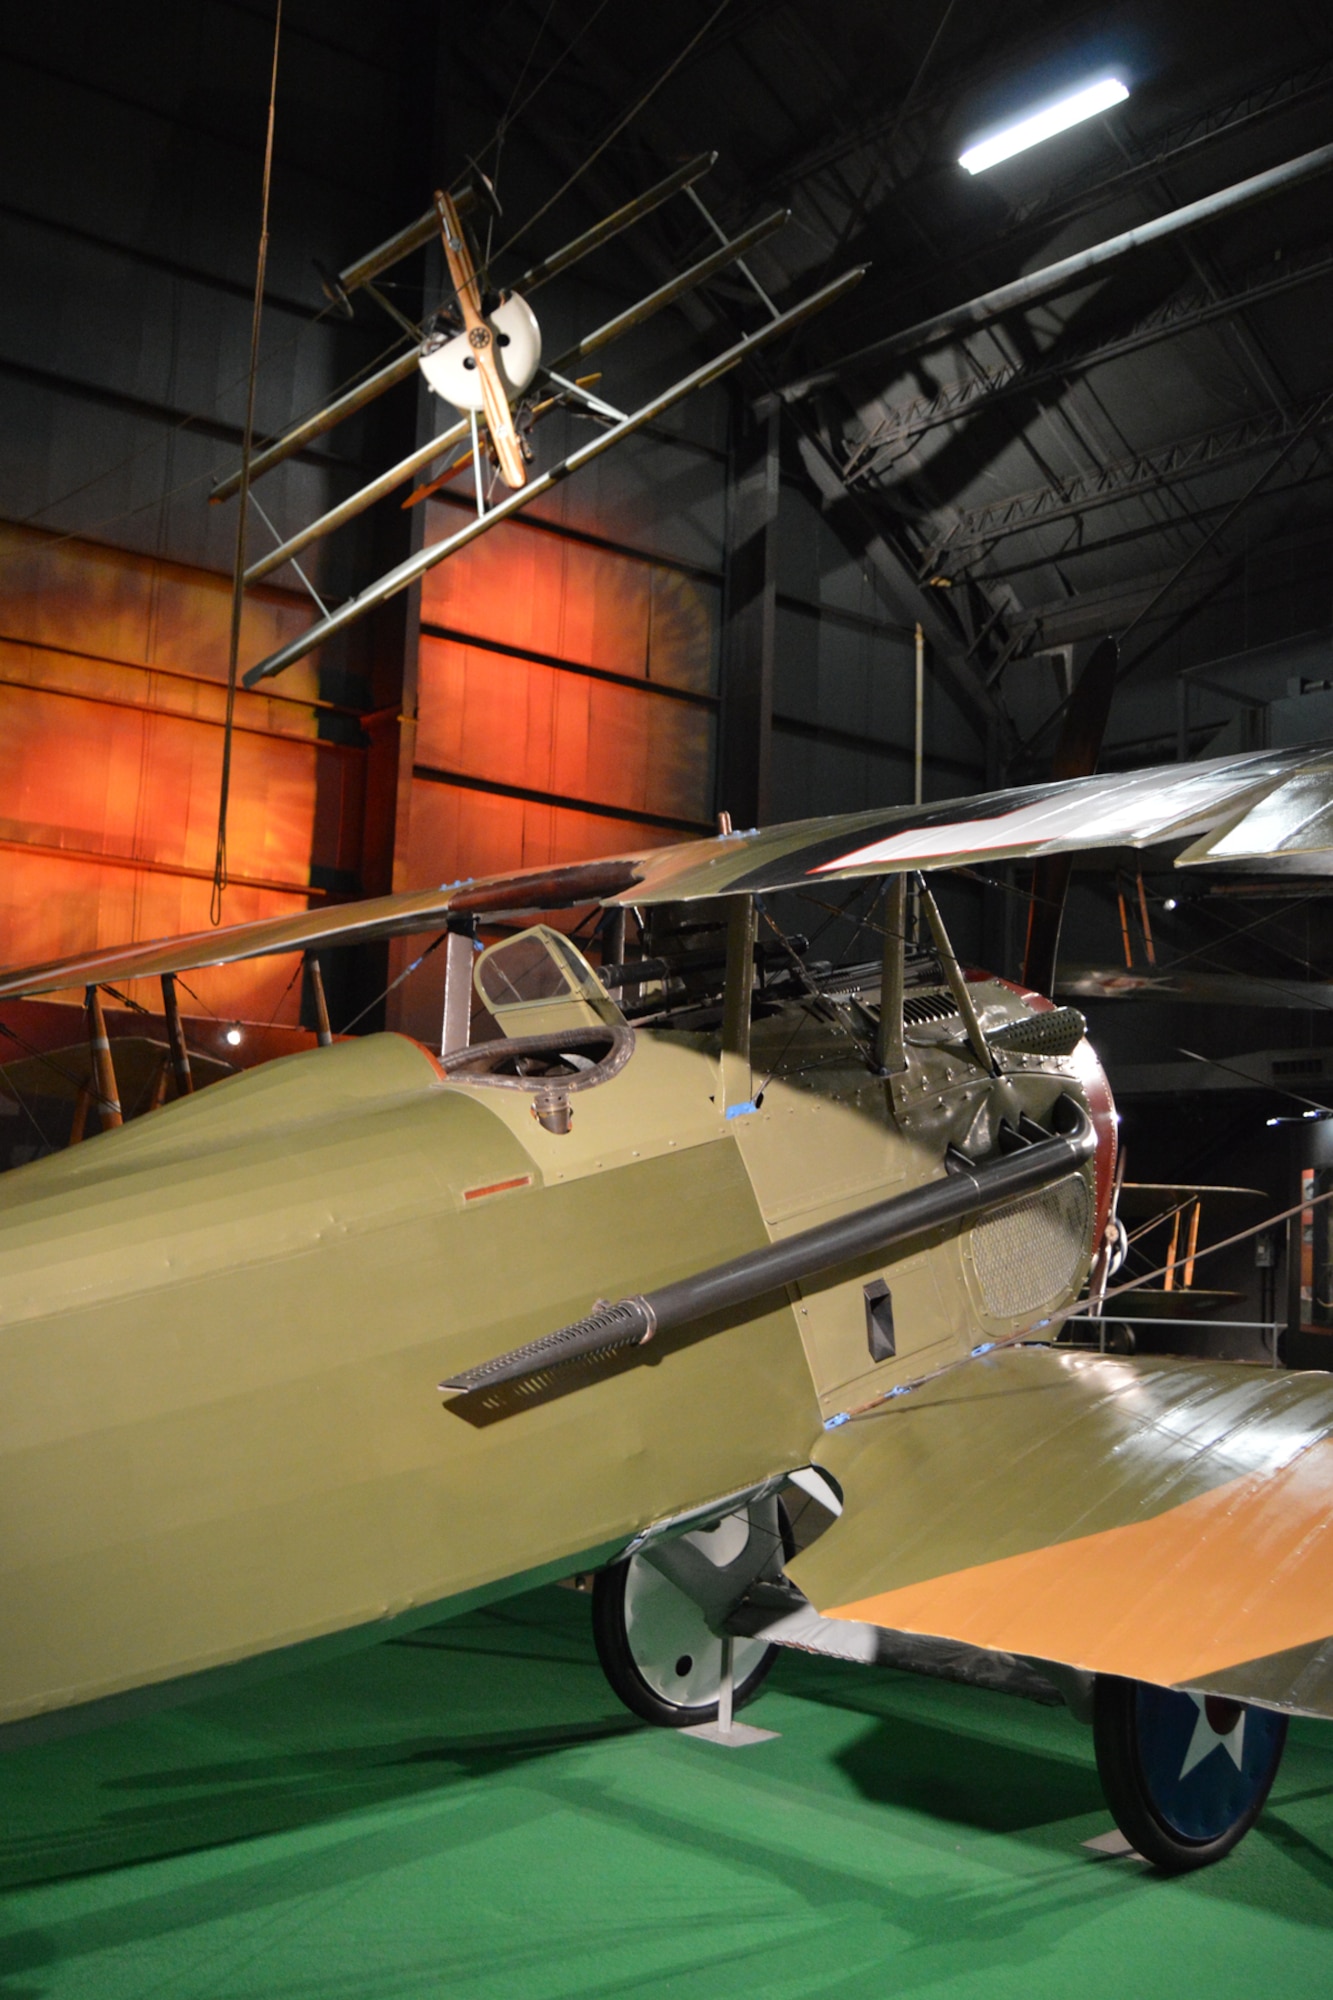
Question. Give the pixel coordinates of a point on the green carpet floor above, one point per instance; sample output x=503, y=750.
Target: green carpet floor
x=471, y=1814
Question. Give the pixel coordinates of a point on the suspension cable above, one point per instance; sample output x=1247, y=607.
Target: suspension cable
x=243, y=504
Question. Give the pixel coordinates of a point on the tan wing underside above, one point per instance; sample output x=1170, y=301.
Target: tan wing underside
x=1165, y=1520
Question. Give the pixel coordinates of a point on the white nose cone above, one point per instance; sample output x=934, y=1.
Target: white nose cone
x=450, y=366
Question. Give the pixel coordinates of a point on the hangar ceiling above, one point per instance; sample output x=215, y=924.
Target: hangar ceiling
x=1145, y=450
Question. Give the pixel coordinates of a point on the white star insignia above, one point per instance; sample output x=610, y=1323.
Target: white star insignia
x=1206, y=1739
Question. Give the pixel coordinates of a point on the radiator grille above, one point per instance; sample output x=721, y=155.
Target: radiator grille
x=1030, y=1253
x=919, y=1007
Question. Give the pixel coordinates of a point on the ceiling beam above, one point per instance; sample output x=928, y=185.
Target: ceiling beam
x=1122, y=479
x=1119, y=604
x=1066, y=272
x=904, y=423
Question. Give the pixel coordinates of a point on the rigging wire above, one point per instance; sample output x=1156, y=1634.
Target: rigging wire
x=618, y=127
x=243, y=511
x=861, y=206
x=297, y=970
x=1204, y=955
x=835, y=1012
x=201, y=1004
x=172, y=432
x=511, y=113
x=434, y=945
x=30, y=1115
x=506, y=118
x=40, y=1056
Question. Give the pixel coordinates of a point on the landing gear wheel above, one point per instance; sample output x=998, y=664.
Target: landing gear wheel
x=1185, y=1775
x=655, y=1646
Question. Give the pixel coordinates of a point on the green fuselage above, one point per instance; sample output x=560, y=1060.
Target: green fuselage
x=222, y=1327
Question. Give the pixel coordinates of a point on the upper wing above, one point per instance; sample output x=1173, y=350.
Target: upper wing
x=1274, y=804
x=525, y=891
x=1164, y=1520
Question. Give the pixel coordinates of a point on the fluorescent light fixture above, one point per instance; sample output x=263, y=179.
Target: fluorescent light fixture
x=1044, y=124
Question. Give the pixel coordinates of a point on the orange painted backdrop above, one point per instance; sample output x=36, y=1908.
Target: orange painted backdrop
x=563, y=708
x=553, y=668
x=112, y=692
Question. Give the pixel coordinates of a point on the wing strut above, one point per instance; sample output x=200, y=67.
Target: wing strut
x=890, y=1045
x=416, y=565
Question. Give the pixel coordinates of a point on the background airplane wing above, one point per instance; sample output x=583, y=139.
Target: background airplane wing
x=1276, y=803
x=1166, y=1520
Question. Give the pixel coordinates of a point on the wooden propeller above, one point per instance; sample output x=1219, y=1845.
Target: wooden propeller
x=495, y=402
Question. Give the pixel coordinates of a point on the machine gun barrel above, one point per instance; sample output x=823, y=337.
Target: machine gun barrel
x=963, y=1192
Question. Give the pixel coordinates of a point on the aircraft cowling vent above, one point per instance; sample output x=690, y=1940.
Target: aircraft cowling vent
x=921, y=1007
x=1055, y=1032
x=1031, y=1252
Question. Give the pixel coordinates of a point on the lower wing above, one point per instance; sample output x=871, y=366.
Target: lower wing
x=1166, y=1520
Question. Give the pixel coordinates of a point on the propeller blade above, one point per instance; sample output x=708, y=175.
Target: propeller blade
x=1076, y=754
x=495, y=403
x=499, y=417
x=420, y=493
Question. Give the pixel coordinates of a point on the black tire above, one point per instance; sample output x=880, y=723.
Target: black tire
x=1185, y=1776
x=631, y=1599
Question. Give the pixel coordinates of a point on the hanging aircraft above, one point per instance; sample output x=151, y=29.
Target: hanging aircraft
x=481, y=351
x=730, y=1279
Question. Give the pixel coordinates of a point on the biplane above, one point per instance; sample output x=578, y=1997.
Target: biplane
x=724, y=1277
x=480, y=350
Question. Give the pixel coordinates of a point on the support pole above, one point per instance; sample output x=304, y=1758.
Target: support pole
x=456, y=1022
x=160, y=1082
x=918, y=753
x=741, y=930
x=1148, y=945
x=103, y=1069
x=1069, y=271
x=613, y=935
x=958, y=986
x=1124, y=923
x=323, y=1032
x=1192, y=1244
x=750, y=628
x=180, y=1054
x=79, y=1122
x=890, y=1047
x=726, y=1689
x=477, y=472
x=919, y=738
